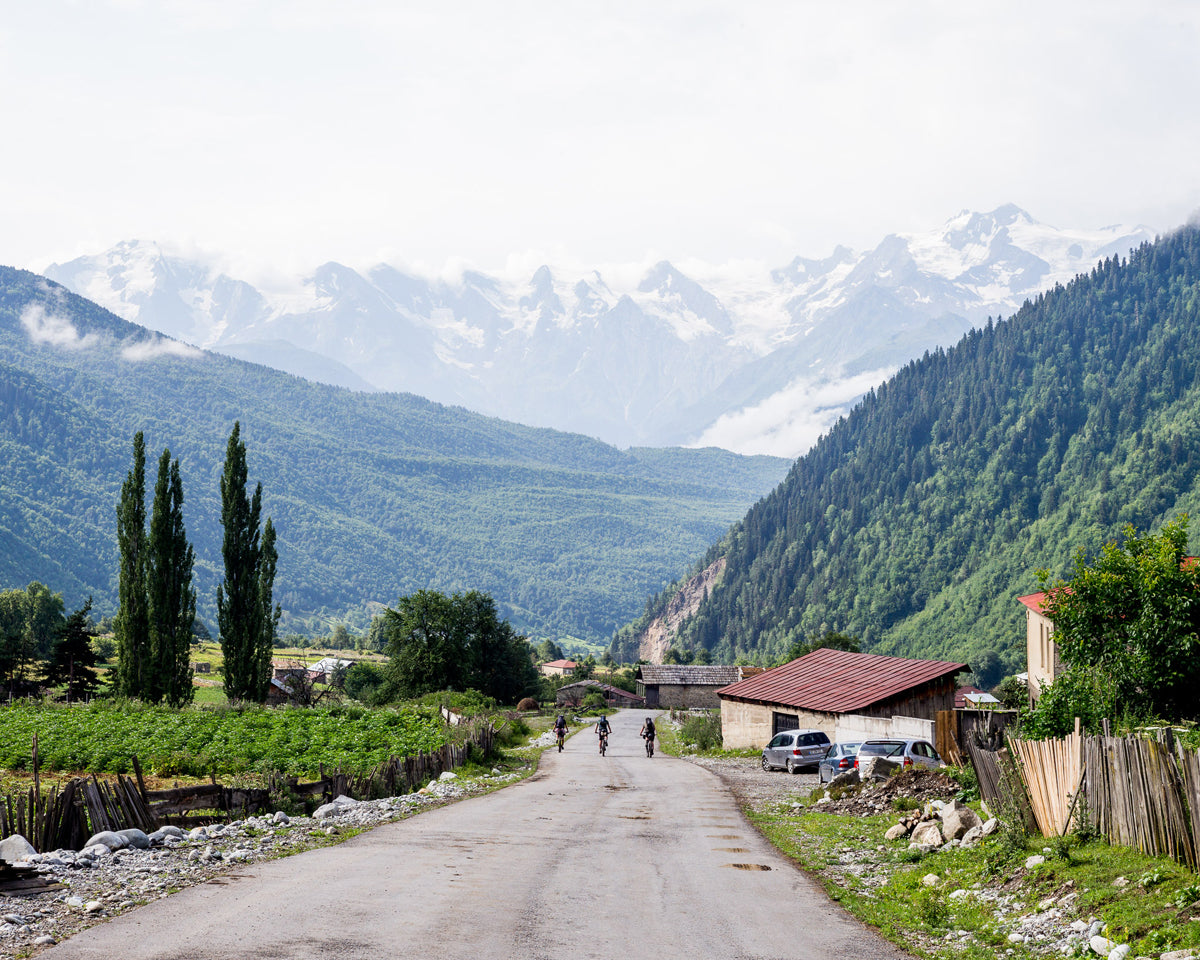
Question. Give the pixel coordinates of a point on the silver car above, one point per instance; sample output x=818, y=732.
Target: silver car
x=794, y=749
x=910, y=753
x=838, y=759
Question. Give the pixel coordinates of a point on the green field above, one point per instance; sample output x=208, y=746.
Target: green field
x=103, y=737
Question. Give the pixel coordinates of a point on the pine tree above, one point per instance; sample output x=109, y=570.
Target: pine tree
x=72, y=662
x=132, y=623
x=245, y=611
x=172, y=600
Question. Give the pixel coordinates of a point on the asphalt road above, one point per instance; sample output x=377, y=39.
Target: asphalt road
x=620, y=856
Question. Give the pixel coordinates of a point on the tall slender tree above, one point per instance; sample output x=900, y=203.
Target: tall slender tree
x=72, y=662
x=246, y=613
x=132, y=623
x=172, y=599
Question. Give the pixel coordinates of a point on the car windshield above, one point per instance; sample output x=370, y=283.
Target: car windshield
x=884, y=748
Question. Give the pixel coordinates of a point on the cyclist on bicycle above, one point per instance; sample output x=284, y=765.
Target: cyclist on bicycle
x=602, y=728
x=647, y=731
x=560, y=727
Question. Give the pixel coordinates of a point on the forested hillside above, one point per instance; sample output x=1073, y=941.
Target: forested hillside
x=917, y=521
x=373, y=495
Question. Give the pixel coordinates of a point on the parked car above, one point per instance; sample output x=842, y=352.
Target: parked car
x=838, y=759
x=794, y=749
x=910, y=753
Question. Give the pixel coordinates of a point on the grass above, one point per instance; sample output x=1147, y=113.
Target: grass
x=885, y=885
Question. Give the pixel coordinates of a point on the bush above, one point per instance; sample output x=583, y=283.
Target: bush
x=701, y=731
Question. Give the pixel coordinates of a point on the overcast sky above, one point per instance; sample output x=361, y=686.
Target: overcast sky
x=505, y=134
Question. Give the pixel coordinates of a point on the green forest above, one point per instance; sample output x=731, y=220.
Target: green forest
x=373, y=496
x=916, y=522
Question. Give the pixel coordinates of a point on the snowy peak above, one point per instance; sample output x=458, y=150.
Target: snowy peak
x=758, y=362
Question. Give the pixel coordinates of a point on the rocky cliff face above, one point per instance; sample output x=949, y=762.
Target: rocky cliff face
x=655, y=640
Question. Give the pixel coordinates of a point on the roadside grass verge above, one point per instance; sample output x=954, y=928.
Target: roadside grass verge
x=966, y=903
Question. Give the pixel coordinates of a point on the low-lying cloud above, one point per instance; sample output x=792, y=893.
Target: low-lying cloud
x=156, y=347
x=54, y=329
x=788, y=423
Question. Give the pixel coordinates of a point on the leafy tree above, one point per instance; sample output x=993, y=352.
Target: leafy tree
x=73, y=660
x=988, y=669
x=341, y=638
x=1127, y=625
x=439, y=642
x=246, y=613
x=131, y=626
x=549, y=650
x=30, y=619
x=363, y=680
x=172, y=600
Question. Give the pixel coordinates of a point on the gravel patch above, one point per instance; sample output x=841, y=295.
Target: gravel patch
x=752, y=785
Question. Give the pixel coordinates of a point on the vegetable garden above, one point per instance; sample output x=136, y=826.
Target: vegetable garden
x=102, y=737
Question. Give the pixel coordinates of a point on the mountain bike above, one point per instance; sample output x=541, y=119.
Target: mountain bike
x=603, y=744
x=650, y=745
x=562, y=738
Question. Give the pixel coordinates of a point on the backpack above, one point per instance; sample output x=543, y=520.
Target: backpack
x=649, y=727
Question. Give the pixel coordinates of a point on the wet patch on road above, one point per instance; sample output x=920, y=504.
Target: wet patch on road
x=747, y=866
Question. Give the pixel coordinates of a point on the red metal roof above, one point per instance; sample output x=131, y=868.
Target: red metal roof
x=1034, y=601
x=835, y=681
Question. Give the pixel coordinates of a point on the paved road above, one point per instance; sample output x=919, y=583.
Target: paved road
x=619, y=856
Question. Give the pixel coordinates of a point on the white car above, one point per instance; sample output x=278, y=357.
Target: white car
x=794, y=749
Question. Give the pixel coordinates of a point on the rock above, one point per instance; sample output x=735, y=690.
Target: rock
x=15, y=848
x=448, y=775
x=1179, y=955
x=335, y=808
x=135, y=838
x=94, y=906
x=1015, y=938
x=94, y=852
x=847, y=779
x=899, y=831
x=990, y=826
x=931, y=880
x=163, y=834
x=1101, y=945
x=1121, y=882
x=1034, y=861
x=924, y=847
x=198, y=833
x=1095, y=929
x=44, y=940
x=927, y=833
x=957, y=819
x=959, y=894
x=281, y=817
x=108, y=839
x=1119, y=952
x=972, y=837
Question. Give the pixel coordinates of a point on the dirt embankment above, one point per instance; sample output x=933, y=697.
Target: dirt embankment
x=656, y=638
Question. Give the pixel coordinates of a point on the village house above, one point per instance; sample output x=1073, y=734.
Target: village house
x=838, y=692
x=573, y=694
x=682, y=686
x=558, y=668
x=1043, y=662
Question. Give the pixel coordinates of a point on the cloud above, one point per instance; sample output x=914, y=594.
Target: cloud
x=156, y=347
x=51, y=328
x=789, y=422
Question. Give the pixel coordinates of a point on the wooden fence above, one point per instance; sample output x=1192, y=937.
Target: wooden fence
x=1138, y=792
x=66, y=818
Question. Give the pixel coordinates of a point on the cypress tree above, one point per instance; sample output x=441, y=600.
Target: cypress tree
x=132, y=623
x=172, y=600
x=244, y=601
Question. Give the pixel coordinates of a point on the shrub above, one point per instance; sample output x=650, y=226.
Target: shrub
x=701, y=731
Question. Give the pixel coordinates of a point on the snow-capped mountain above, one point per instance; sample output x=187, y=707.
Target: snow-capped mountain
x=756, y=362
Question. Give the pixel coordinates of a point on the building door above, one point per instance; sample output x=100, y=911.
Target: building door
x=784, y=721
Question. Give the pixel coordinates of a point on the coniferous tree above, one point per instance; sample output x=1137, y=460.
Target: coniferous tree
x=172, y=600
x=132, y=623
x=245, y=612
x=72, y=662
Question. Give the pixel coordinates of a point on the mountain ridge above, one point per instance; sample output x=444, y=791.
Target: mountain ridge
x=655, y=357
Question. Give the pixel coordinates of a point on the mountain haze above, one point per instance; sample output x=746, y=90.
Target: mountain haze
x=759, y=361
x=918, y=519
x=374, y=495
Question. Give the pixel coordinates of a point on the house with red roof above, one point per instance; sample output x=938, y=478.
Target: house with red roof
x=1043, y=662
x=828, y=687
x=558, y=668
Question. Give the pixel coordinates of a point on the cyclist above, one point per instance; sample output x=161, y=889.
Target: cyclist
x=560, y=730
x=602, y=731
x=647, y=732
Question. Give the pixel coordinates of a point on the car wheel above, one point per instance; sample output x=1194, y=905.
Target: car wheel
x=766, y=766
x=791, y=767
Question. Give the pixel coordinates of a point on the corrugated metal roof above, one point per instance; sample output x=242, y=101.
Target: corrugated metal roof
x=1034, y=601
x=835, y=681
x=688, y=673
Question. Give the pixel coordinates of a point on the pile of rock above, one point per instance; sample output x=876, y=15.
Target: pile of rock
x=941, y=824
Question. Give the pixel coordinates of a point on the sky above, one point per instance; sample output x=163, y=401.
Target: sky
x=433, y=136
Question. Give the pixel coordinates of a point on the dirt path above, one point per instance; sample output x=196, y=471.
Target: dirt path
x=591, y=857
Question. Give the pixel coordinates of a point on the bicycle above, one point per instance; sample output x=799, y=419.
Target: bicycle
x=562, y=738
x=603, y=744
x=650, y=745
